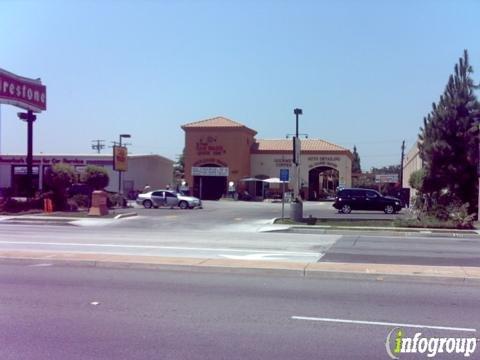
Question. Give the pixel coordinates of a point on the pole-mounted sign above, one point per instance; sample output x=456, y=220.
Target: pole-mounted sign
x=28, y=94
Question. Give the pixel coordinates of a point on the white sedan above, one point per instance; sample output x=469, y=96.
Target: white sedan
x=157, y=198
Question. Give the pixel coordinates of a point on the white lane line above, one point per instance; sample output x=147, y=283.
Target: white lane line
x=345, y=321
x=40, y=265
x=157, y=247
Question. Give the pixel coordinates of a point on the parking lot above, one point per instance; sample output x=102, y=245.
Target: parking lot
x=241, y=213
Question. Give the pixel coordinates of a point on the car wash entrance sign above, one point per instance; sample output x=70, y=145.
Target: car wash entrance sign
x=28, y=94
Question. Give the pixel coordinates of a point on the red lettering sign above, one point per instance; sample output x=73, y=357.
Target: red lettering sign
x=26, y=93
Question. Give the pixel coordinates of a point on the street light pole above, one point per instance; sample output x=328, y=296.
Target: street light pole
x=296, y=206
x=29, y=117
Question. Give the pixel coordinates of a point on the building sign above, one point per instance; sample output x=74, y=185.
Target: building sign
x=22, y=170
x=386, y=178
x=328, y=161
x=53, y=160
x=209, y=171
x=208, y=146
x=28, y=94
x=120, y=158
x=283, y=163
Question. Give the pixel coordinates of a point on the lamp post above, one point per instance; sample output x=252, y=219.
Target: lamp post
x=29, y=118
x=122, y=136
x=296, y=206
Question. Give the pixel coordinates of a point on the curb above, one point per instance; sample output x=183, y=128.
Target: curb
x=376, y=272
x=392, y=230
x=125, y=215
x=45, y=219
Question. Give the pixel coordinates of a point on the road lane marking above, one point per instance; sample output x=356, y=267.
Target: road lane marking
x=40, y=265
x=255, y=257
x=157, y=247
x=380, y=323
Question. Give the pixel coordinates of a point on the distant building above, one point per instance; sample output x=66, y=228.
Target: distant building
x=154, y=170
x=411, y=163
x=219, y=151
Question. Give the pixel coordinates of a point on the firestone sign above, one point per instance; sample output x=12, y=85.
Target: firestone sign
x=26, y=93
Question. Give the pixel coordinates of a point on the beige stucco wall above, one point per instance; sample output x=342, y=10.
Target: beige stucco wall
x=154, y=170
x=270, y=165
x=225, y=147
x=411, y=163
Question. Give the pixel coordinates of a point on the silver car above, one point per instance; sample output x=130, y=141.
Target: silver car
x=157, y=198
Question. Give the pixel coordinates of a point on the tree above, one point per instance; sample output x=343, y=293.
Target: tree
x=390, y=169
x=356, y=168
x=449, y=141
x=179, y=166
x=416, y=179
x=96, y=177
x=58, y=178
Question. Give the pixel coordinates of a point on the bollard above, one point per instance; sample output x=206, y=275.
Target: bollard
x=47, y=205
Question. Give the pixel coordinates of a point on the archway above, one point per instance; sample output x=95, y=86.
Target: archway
x=322, y=182
x=209, y=187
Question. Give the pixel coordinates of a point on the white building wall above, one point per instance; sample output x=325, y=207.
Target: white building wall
x=270, y=164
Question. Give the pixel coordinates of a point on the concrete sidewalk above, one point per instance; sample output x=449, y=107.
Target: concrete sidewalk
x=377, y=272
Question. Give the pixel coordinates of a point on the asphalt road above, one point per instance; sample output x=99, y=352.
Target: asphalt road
x=238, y=230
x=243, y=241
x=411, y=250
x=91, y=313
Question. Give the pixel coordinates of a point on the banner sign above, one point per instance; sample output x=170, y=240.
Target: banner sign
x=29, y=94
x=120, y=156
x=386, y=178
x=209, y=171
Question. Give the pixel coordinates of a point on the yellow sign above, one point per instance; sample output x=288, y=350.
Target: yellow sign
x=120, y=156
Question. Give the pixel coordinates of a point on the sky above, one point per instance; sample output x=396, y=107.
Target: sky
x=364, y=72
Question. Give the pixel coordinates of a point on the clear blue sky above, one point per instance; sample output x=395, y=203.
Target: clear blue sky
x=364, y=72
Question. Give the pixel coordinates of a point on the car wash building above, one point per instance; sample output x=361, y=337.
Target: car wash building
x=221, y=154
x=154, y=170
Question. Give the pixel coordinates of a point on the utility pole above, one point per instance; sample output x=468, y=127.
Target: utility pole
x=401, y=164
x=98, y=145
x=296, y=206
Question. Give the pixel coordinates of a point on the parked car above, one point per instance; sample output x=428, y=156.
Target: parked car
x=157, y=198
x=365, y=199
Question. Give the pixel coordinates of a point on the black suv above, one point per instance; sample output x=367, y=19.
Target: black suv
x=365, y=199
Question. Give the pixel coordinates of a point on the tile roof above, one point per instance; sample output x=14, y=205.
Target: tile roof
x=262, y=145
x=216, y=122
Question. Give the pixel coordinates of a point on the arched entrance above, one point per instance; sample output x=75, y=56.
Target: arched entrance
x=209, y=187
x=322, y=182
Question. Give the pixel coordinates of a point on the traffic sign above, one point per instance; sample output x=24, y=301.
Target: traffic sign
x=284, y=174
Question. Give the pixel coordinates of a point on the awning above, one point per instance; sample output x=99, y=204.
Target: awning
x=251, y=179
x=275, y=181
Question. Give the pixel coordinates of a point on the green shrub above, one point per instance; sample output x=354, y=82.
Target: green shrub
x=80, y=201
x=96, y=177
x=58, y=178
x=452, y=216
x=10, y=205
x=416, y=179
